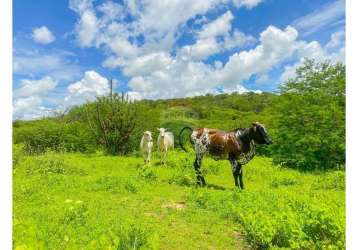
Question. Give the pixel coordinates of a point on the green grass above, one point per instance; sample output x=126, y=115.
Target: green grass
x=75, y=201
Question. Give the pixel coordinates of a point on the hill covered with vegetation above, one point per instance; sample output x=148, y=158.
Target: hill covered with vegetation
x=306, y=120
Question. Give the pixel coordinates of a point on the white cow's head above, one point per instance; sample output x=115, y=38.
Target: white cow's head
x=161, y=132
x=148, y=135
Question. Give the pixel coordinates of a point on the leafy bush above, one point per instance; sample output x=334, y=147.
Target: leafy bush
x=310, y=118
x=182, y=177
x=54, y=134
x=276, y=221
x=118, y=123
x=146, y=173
x=131, y=186
x=132, y=235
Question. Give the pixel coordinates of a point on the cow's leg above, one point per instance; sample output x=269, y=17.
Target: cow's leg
x=237, y=173
x=240, y=173
x=148, y=157
x=199, y=176
x=145, y=157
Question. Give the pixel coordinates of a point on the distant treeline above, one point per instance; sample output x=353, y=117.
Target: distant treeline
x=306, y=119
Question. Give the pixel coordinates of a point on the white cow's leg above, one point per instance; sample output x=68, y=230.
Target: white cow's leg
x=148, y=157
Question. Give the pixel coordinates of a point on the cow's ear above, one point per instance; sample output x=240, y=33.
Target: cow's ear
x=158, y=129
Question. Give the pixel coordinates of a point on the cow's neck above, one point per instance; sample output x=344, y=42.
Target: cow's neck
x=245, y=139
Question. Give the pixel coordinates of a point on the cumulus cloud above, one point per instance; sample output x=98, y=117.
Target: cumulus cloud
x=91, y=85
x=337, y=40
x=87, y=26
x=334, y=51
x=35, y=87
x=275, y=46
x=33, y=98
x=42, y=35
x=155, y=72
x=220, y=26
x=28, y=98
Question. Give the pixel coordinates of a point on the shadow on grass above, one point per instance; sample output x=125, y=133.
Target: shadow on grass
x=216, y=187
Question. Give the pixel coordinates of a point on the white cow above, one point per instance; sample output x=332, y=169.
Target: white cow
x=146, y=145
x=165, y=142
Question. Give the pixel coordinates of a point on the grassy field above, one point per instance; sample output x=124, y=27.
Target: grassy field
x=76, y=201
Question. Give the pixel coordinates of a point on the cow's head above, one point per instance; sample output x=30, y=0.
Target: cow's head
x=148, y=135
x=259, y=134
x=161, y=132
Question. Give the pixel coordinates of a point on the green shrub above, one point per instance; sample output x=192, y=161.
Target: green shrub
x=182, y=177
x=131, y=186
x=118, y=123
x=54, y=134
x=133, y=235
x=146, y=173
x=310, y=118
x=274, y=221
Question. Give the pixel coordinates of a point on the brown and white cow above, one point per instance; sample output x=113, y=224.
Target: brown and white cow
x=233, y=145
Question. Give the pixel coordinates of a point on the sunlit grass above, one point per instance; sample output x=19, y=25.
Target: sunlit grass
x=76, y=201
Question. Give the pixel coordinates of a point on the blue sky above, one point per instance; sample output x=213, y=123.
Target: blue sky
x=65, y=51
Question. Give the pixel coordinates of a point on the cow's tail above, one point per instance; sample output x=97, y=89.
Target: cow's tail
x=180, y=137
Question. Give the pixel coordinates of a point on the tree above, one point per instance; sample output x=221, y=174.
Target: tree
x=310, y=118
x=118, y=122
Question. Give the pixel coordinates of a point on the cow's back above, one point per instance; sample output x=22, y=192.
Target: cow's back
x=218, y=143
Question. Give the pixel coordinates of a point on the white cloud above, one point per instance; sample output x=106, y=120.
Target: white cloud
x=247, y=3
x=29, y=98
x=337, y=40
x=208, y=44
x=124, y=38
x=42, y=35
x=147, y=64
x=58, y=64
x=276, y=46
x=87, y=26
x=144, y=48
x=238, y=39
x=111, y=10
x=220, y=26
x=86, y=89
x=35, y=87
x=201, y=49
x=321, y=18
x=334, y=51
